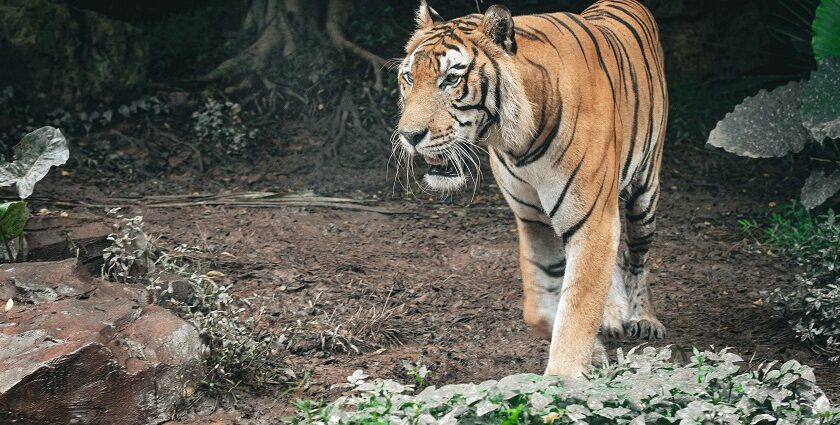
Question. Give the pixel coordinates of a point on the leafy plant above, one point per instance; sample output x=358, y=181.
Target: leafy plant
x=826, y=41
x=237, y=352
x=13, y=216
x=646, y=387
x=418, y=371
x=784, y=120
x=129, y=256
x=222, y=124
x=36, y=153
x=813, y=302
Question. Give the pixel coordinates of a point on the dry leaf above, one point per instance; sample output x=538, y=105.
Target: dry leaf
x=188, y=392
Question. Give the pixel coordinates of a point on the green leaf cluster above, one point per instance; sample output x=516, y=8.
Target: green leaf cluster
x=641, y=387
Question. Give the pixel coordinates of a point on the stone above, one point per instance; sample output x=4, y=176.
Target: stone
x=75, y=349
x=52, y=238
x=54, y=54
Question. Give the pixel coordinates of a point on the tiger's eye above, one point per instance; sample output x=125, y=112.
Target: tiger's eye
x=451, y=80
x=408, y=79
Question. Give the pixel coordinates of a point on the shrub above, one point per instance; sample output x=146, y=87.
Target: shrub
x=639, y=388
x=129, y=254
x=813, y=303
x=237, y=352
x=221, y=123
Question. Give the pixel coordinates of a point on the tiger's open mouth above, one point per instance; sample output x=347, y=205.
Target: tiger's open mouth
x=441, y=167
x=443, y=175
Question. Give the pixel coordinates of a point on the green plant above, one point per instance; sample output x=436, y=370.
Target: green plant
x=794, y=230
x=646, y=387
x=13, y=217
x=748, y=225
x=826, y=41
x=418, y=371
x=36, y=153
x=237, y=352
x=813, y=302
x=786, y=119
x=129, y=256
x=222, y=124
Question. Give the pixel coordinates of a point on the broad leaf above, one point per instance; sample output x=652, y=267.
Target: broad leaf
x=826, y=27
x=13, y=216
x=34, y=155
x=766, y=125
x=821, y=100
x=818, y=188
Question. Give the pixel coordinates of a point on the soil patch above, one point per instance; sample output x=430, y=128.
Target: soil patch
x=440, y=283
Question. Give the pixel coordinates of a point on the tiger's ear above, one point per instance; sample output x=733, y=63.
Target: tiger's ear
x=498, y=27
x=426, y=16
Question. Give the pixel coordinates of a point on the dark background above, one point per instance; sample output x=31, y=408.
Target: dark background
x=63, y=61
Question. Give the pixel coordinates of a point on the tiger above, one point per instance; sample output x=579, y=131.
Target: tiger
x=571, y=110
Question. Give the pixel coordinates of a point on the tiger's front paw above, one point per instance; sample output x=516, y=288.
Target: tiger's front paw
x=612, y=325
x=578, y=362
x=567, y=370
x=645, y=328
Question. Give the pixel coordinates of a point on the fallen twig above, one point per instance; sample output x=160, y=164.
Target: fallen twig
x=240, y=199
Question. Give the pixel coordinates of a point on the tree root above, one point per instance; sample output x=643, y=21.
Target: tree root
x=275, y=32
x=345, y=113
x=269, y=19
x=337, y=14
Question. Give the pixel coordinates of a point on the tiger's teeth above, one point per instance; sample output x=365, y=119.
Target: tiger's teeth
x=434, y=161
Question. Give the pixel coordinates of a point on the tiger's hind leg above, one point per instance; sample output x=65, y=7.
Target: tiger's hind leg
x=641, y=226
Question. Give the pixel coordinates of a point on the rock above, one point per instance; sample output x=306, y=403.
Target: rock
x=53, y=238
x=74, y=349
x=53, y=53
x=178, y=286
x=46, y=282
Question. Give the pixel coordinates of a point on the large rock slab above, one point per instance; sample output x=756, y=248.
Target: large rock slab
x=74, y=349
x=53, y=53
x=52, y=238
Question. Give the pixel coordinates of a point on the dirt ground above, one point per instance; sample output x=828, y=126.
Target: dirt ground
x=439, y=283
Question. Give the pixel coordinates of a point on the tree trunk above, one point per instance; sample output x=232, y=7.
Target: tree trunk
x=269, y=19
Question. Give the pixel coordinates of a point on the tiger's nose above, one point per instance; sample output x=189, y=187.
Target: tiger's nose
x=414, y=137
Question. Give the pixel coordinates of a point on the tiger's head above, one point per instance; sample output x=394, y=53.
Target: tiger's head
x=459, y=93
